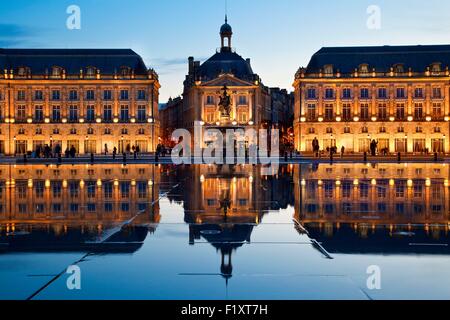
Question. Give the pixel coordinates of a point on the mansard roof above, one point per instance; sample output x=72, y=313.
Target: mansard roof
x=226, y=61
x=382, y=58
x=40, y=61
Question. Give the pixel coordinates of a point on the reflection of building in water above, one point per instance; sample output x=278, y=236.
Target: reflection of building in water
x=224, y=203
x=393, y=199
x=60, y=205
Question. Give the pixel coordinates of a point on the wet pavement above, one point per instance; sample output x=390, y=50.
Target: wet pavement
x=225, y=232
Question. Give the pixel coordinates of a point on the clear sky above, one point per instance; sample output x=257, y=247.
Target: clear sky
x=279, y=36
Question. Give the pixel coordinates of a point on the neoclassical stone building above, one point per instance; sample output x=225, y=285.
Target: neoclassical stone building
x=396, y=95
x=205, y=84
x=77, y=97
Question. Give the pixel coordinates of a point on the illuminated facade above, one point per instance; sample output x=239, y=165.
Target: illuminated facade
x=78, y=195
x=77, y=97
x=205, y=84
x=398, y=96
x=399, y=197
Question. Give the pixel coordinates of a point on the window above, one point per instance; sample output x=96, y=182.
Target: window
x=124, y=131
x=382, y=111
x=141, y=113
x=364, y=111
x=364, y=93
x=123, y=94
x=21, y=131
x=364, y=68
x=242, y=117
x=400, y=129
x=419, y=129
x=311, y=112
x=347, y=93
x=73, y=95
x=329, y=114
x=311, y=130
x=242, y=100
x=38, y=131
x=311, y=93
x=210, y=100
x=73, y=131
x=90, y=131
x=437, y=129
x=418, y=111
x=107, y=113
x=401, y=93
x=141, y=95
x=56, y=113
x=382, y=130
x=38, y=114
x=364, y=130
x=73, y=113
x=21, y=113
x=437, y=93
x=90, y=95
x=56, y=72
x=90, y=72
x=21, y=95
x=418, y=93
x=436, y=68
x=56, y=95
x=90, y=113
x=329, y=93
x=382, y=93
x=328, y=70
x=107, y=131
x=329, y=130
x=38, y=95
x=399, y=68
x=124, y=116
x=107, y=95
x=141, y=131
x=437, y=110
x=56, y=131
x=400, y=111
x=346, y=112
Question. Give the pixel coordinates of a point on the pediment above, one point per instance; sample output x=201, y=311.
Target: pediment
x=227, y=80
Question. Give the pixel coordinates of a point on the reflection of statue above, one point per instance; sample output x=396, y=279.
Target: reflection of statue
x=225, y=103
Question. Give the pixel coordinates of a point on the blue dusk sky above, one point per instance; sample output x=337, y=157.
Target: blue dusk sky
x=279, y=36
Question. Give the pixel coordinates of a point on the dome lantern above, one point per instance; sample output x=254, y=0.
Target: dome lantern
x=226, y=32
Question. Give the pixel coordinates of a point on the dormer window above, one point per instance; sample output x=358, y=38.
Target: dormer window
x=399, y=68
x=56, y=72
x=328, y=70
x=125, y=72
x=436, y=68
x=90, y=72
x=364, y=69
x=22, y=71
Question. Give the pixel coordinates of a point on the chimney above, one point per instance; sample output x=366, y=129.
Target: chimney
x=248, y=61
x=191, y=65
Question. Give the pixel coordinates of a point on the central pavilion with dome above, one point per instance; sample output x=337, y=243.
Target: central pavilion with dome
x=225, y=74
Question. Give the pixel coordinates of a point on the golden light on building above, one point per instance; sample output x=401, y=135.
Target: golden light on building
x=67, y=101
x=387, y=104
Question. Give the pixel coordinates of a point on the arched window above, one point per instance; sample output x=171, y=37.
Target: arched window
x=436, y=68
x=57, y=72
x=90, y=131
x=364, y=69
x=328, y=69
x=91, y=72
x=23, y=71
x=125, y=72
x=399, y=68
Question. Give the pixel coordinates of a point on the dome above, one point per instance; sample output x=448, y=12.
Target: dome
x=226, y=62
x=226, y=28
